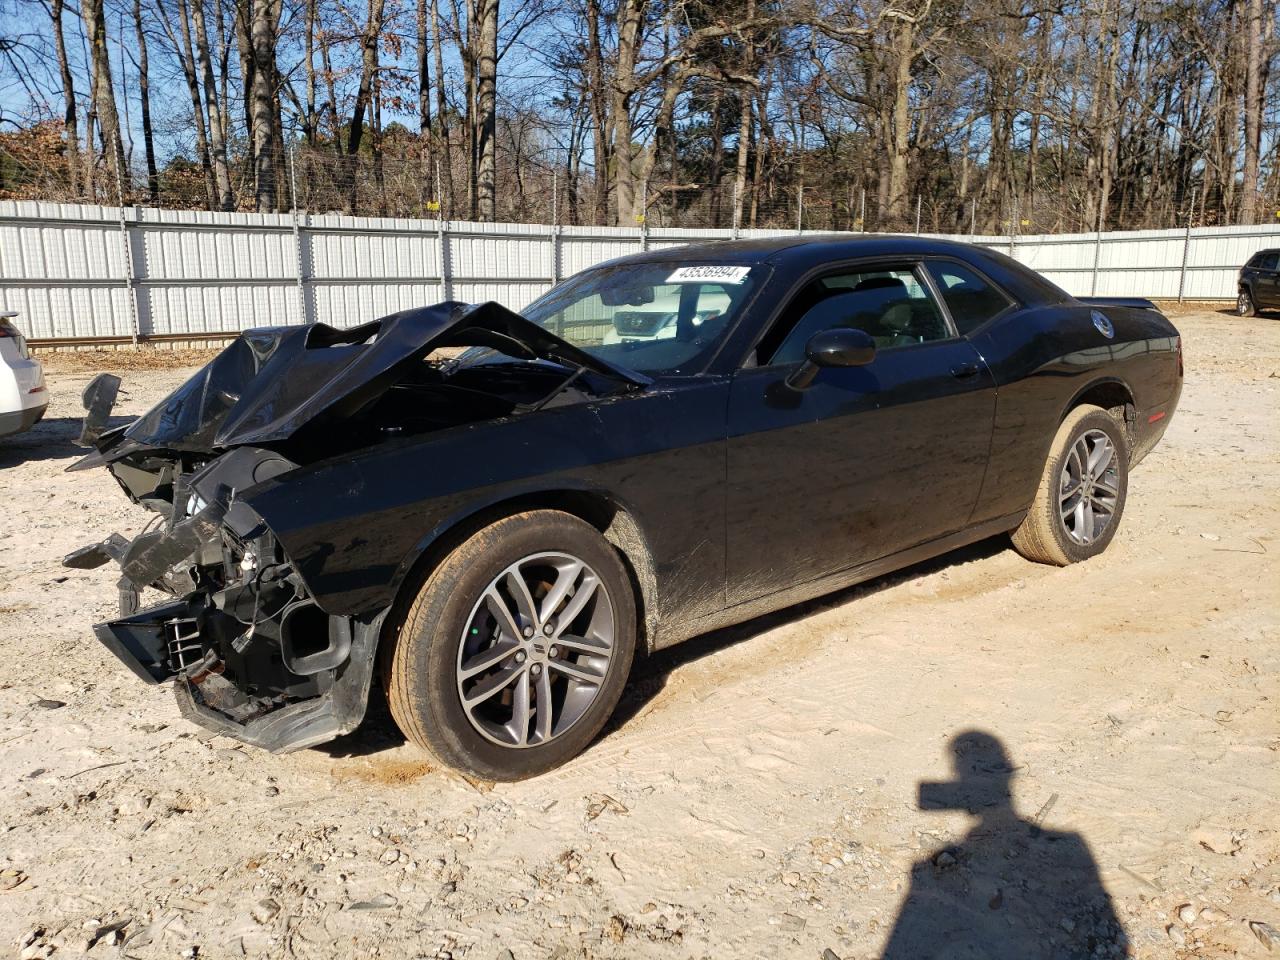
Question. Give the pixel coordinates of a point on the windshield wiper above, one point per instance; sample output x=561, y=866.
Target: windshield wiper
x=558, y=389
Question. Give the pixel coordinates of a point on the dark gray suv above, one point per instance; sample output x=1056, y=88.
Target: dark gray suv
x=1259, y=285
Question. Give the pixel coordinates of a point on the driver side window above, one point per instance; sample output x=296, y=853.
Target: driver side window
x=888, y=302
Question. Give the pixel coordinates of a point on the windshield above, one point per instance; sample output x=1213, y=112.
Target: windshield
x=654, y=318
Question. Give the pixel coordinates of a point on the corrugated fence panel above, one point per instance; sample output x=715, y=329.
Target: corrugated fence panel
x=172, y=309
x=64, y=267
x=69, y=311
x=515, y=296
x=350, y=304
x=331, y=253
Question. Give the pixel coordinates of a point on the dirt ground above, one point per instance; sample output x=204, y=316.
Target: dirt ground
x=760, y=792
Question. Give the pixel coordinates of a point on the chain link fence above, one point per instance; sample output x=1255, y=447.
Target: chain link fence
x=407, y=177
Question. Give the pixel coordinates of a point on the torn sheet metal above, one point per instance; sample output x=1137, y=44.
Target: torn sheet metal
x=270, y=383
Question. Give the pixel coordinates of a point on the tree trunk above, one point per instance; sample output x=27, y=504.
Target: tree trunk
x=467, y=55
x=717, y=163
x=70, y=126
x=425, y=133
x=144, y=94
x=900, y=122
x=309, y=114
x=248, y=70
x=368, y=70
x=746, y=99
x=762, y=144
x=744, y=144
x=90, y=154
x=630, y=18
x=487, y=110
x=182, y=47
x=1254, y=102
x=217, y=138
x=224, y=67
x=598, y=98
x=442, y=117
x=95, y=26
x=375, y=142
x=332, y=90
x=263, y=30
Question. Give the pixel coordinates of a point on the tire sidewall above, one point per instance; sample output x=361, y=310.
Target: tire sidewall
x=455, y=590
x=1245, y=304
x=1096, y=419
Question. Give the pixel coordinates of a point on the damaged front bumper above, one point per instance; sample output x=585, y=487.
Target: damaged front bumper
x=155, y=642
x=249, y=651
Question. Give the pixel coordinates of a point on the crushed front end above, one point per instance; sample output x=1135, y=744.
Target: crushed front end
x=249, y=651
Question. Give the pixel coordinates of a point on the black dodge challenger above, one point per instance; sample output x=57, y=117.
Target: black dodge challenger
x=495, y=512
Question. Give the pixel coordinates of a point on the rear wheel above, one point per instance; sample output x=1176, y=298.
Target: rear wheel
x=1245, y=306
x=1080, y=500
x=516, y=649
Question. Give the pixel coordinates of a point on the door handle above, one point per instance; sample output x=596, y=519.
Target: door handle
x=963, y=371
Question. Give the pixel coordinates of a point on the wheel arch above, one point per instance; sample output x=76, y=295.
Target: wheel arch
x=1113, y=395
x=612, y=518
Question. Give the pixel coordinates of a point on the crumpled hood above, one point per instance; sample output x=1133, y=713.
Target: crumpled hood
x=272, y=381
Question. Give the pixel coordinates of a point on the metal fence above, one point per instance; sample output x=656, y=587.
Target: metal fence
x=76, y=271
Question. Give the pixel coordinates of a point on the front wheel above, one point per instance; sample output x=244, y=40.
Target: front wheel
x=1078, y=505
x=1244, y=305
x=516, y=649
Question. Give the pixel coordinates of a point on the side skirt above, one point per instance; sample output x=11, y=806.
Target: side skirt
x=669, y=634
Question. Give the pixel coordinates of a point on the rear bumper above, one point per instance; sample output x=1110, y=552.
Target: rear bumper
x=21, y=420
x=1151, y=425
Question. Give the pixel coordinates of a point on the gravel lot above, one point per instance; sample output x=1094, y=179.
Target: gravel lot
x=760, y=792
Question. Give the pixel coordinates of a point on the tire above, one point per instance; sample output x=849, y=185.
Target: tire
x=1245, y=307
x=469, y=611
x=1066, y=525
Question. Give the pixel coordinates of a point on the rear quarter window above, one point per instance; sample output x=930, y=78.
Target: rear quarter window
x=971, y=298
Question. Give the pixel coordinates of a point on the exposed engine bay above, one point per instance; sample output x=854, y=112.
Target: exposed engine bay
x=251, y=652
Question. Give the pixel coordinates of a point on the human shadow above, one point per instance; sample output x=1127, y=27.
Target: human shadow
x=1009, y=888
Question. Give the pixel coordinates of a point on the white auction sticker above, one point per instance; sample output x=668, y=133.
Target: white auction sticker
x=710, y=272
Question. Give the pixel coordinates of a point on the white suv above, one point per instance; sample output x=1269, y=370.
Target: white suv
x=23, y=395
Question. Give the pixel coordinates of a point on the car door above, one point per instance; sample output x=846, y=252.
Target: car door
x=1266, y=284
x=868, y=460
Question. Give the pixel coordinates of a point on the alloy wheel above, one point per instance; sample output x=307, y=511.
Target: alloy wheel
x=536, y=650
x=1243, y=304
x=1088, y=487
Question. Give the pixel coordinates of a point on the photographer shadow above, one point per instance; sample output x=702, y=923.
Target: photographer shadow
x=1009, y=888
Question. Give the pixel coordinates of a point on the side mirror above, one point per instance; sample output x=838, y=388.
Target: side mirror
x=837, y=347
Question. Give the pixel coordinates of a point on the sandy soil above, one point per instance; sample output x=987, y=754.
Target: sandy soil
x=760, y=792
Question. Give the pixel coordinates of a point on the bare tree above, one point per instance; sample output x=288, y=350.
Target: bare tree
x=442, y=118
x=486, y=107
x=144, y=95
x=104, y=95
x=264, y=26
x=217, y=138
x=1254, y=104
x=368, y=74
x=71, y=136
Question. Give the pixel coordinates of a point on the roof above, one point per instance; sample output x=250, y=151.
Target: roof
x=814, y=246
x=799, y=253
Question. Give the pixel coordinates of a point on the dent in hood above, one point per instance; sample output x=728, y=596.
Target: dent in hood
x=271, y=382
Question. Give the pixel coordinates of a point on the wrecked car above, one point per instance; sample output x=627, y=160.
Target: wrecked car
x=493, y=513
